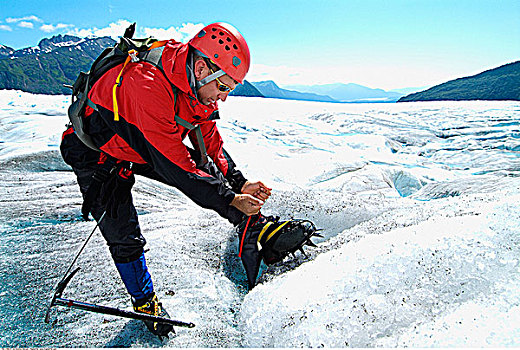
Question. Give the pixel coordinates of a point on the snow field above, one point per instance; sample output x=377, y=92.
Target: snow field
x=418, y=201
x=394, y=288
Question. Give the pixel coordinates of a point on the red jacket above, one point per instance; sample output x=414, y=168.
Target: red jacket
x=147, y=133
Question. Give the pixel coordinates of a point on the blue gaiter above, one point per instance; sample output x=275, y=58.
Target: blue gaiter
x=136, y=278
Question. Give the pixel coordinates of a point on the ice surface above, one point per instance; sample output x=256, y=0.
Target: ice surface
x=419, y=202
x=395, y=289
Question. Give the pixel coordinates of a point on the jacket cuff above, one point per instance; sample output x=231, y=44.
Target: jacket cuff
x=239, y=184
x=229, y=196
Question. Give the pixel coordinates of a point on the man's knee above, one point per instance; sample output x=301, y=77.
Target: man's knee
x=124, y=254
x=124, y=238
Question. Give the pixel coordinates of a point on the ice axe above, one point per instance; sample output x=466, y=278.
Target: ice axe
x=106, y=310
x=57, y=299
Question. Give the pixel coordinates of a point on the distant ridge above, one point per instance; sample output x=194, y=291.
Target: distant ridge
x=501, y=83
x=246, y=89
x=5, y=51
x=350, y=92
x=44, y=69
x=270, y=89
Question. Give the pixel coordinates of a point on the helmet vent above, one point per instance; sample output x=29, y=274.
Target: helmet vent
x=220, y=41
x=227, y=48
x=228, y=39
x=235, y=46
x=221, y=33
x=213, y=37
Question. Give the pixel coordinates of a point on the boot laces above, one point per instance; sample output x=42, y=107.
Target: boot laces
x=152, y=307
x=261, y=219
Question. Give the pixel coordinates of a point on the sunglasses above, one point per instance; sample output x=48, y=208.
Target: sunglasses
x=221, y=86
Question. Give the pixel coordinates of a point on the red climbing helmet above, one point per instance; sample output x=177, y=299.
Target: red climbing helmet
x=225, y=46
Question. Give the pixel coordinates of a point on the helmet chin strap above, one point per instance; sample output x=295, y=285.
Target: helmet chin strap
x=210, y=78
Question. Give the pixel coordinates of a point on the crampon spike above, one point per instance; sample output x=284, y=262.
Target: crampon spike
x=309, y=242
x=303, y=252
x=316, y=234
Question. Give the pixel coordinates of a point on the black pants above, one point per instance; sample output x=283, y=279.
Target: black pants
x=123, y=233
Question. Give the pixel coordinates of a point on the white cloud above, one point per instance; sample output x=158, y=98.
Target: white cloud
x=25, y=24
x=22, y=22
x=114, y=30
x=49, y=28
x=162, y=33
x=82, y=33
x=182, y=33
x=31, y=18
x=191, y=29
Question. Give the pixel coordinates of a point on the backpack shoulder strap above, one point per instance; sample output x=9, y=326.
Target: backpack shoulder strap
x=153, y=56
x=198, y=133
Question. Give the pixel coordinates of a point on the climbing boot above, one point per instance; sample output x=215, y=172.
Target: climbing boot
x=268, y=238
x=153, y=307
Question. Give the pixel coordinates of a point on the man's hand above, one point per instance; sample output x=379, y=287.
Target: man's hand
x=247, y=204
x=257, y=189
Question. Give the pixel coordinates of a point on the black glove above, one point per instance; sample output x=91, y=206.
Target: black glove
x=117, y=191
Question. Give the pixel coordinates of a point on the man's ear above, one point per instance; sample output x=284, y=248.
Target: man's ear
x=200, y=69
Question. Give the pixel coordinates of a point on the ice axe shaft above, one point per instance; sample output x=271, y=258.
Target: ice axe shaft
x=106, y=310
x=58, y=291
x=83, y=246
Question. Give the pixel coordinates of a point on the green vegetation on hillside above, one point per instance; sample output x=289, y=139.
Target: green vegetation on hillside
x=502, y=83
x=45, y=71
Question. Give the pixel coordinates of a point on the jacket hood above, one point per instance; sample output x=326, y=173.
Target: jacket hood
x=174, y=59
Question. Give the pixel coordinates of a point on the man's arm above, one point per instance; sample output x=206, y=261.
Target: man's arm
x=214, y=146
x=146, y=124
x=227, y=166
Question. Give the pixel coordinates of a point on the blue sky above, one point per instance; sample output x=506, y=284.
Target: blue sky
x=380, y=44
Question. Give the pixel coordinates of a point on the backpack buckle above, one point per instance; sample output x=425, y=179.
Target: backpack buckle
x=133, y=55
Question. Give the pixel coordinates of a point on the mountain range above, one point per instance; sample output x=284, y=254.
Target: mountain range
x=271, y=89
x=56, y=61
x=44, y=69
x=350, y=92
x=5, y=51
x=246, y=89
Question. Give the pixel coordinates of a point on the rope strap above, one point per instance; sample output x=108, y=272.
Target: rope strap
x=118, y=83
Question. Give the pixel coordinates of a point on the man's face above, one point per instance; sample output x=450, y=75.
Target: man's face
x=210, y=93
